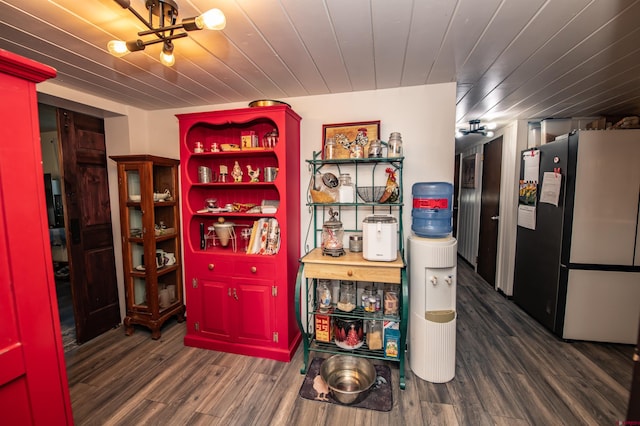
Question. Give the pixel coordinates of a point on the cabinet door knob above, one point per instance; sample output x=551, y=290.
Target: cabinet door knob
x=210, y=266
x=254, y=269
x=350, y=273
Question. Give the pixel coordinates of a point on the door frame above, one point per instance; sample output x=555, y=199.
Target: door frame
x=488, y=229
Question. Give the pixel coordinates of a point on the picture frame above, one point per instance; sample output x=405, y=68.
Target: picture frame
x=346, y=133
x=468, y=179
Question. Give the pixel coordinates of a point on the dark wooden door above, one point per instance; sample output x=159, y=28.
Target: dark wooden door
x=489, y=210
x=88, y=215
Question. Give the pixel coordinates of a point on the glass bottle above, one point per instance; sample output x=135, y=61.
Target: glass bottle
x=394, y=146
x=324, y=295
x=346, y=190
x=374, y=335
x=347, y=301
x=330, y=149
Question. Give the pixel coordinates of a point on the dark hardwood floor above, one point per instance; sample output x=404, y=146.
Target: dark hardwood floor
x=509, y=371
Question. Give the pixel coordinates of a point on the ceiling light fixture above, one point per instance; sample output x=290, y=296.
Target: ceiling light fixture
x=166, y=13
x=476, y=128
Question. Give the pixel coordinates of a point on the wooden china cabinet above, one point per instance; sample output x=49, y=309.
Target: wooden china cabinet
x=150, y=228
x=241, y=300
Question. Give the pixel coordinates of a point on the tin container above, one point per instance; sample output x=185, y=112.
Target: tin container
x=355, y=243
x=204, y=174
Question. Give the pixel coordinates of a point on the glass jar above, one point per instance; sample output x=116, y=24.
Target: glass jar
x=374, y=334
x=347, y=301
x=346, y=190
x=324, y=295
x=332, y=236
x=356, y=151
x=355, y=243
x=375, y=149
x=270, y=139
x=369, y=300
x=391, y=300
x=394, y=146
x=330, y=149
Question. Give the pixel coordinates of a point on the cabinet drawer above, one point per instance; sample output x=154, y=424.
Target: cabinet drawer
x=210, y=266
x=255, y=267
x=352, y=273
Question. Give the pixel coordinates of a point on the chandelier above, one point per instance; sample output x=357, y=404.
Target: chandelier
x=476, y=128
x=165, y=28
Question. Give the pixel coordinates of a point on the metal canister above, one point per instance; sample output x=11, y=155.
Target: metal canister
x=355, y=243
x=204, y=174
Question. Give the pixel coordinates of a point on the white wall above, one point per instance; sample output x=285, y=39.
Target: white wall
x=424, y=115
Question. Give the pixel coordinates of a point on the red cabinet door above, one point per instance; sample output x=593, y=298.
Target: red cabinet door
x=33, y=379
x=215, y=309
x=254, y=316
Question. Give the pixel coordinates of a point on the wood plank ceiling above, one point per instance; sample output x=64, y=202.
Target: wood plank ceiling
x=511, y=59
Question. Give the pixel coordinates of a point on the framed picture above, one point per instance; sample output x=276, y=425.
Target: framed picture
x=347, y=135
x=469, y=171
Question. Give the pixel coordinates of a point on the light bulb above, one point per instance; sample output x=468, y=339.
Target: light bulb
x=117, y=48
x=212, y=19
x=459, y=134
x=167, y=58
x=489, y=134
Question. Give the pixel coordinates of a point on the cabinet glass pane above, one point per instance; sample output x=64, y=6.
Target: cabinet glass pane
x=163, y=180
x=135, y=222
x=139, y=291
x=133, y=185
x=137, y=256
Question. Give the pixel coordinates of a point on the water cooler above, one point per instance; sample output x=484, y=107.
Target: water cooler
x=432, y=259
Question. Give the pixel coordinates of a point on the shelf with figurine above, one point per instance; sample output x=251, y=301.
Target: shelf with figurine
x=345, y=196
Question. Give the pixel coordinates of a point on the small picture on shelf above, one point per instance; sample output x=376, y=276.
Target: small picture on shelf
x=351, y=139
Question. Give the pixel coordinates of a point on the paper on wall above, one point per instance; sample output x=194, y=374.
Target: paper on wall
x=550, y=193
x=531, y=165
x=527, y=216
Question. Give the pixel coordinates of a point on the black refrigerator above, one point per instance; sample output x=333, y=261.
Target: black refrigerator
x=577, y=267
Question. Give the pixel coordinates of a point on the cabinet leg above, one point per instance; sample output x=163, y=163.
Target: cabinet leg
x=128, y=327
x=155, y=333
x=180, y=315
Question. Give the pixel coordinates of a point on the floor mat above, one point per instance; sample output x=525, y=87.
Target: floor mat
x=379, y=398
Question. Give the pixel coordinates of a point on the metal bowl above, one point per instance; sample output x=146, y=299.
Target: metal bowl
x=349, y=378
x=267, y=102
x=370, y=194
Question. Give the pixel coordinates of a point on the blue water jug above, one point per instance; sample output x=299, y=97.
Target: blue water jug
x=432, y=209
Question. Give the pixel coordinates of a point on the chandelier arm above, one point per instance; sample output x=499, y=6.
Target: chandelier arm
x=164, y=38
x=161, y=29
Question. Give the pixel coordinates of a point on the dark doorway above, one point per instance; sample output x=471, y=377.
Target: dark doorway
x=90, y=273
x=489, y=210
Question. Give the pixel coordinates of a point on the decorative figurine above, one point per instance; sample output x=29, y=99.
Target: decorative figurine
x=391, y=190
x=236, y=172
x=253, y=174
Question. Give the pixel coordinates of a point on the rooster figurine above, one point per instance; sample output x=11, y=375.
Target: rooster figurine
x=392, y=190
